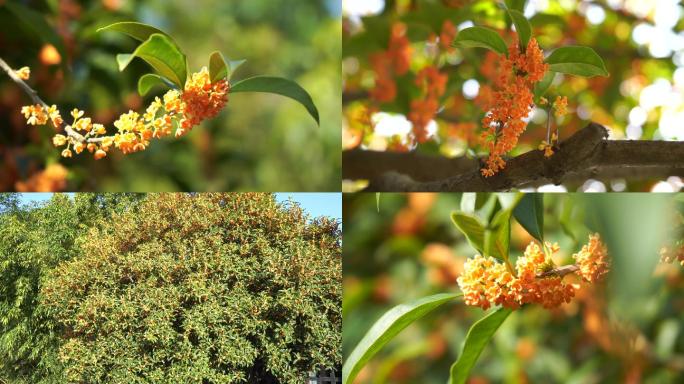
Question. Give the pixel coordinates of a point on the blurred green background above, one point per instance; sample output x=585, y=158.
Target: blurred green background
x=259, y=142
x=629, y=329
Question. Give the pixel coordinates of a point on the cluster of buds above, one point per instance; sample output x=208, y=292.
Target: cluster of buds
x=486, y=282
x=201, y=99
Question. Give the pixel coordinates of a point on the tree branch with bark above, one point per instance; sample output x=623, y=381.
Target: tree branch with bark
x=586, y=154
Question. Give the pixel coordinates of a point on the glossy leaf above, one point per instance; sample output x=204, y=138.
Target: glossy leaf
x=541, y=87
x=478, y=337
x=138, y=31
x=218, y=69
x=471, y=227
x=387, y=327
x=149, y=81
x=279, y=86
x=530, y=214
x=481, y=37
x=575, y=60
x=163, y=55
x=233, y=65
x=522, y=27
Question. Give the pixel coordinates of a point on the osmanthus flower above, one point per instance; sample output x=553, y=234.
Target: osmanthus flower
x=486, y=281
x=395, y=61
x=592, y=259
x=200, y=99
x=432, y=84
x=510, y=101
x=23, y=73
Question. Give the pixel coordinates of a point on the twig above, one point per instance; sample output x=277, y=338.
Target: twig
x=560, y=271
x=37, y=100
x=28, y=90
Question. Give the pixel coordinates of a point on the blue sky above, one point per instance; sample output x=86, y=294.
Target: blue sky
x=316, y=204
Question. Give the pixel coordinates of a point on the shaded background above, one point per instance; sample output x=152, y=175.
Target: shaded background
x=641, y=42
x=629, y=329
x=259, y=142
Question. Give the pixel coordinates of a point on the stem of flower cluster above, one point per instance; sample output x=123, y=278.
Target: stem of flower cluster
x=560, y=271
x=37, y=100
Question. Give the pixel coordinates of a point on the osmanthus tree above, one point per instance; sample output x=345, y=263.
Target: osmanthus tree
x=498, y=279
x=165, y=288
x=473, y=115
x=190, y=100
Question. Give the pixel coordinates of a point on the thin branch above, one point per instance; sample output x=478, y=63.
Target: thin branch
x=559, y=271
x=586, y=154
x=37, y=100
x=25, y=87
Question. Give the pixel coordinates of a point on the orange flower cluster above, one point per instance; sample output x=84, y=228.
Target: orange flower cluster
x=394, y=61
x=447, y=36
x=670, y=255
x=52, y=179
x=201, y=99
x=592, y=260
x=433, y=85
x=510, y=101
x=486, y=282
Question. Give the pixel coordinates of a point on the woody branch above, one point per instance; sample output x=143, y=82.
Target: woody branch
x=37, y=100
x=586, y=154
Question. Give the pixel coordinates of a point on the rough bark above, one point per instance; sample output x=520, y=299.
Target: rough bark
x=586, y=154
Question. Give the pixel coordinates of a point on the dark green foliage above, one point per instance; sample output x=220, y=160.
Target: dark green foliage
x=206, y=288
x=33, y=240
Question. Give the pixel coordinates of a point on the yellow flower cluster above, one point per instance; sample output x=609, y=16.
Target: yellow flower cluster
x=592, y=259
x=201, y=99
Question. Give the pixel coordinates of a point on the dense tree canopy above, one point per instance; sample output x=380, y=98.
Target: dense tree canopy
x=205, y=288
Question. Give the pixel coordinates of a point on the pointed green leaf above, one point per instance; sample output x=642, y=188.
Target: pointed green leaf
x=530, y=214
x=522, y=27
x=471, y=227
x=279, y=86
x=233, y=65
x=388, y=326
x=481, y=37
x=478, y=337
x=138, y=31
x=575, y=60
x=498, y=241
x=123, y=59
x=149, y=81
x=218, y=69
x=541, y=87
x=163, y=55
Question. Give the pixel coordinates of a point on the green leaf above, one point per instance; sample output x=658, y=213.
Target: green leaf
x=575, y=60
x=163, y=55
x=138, y=31
x=218, y=69
x=388, y=326
x=468, y=202
x=233, y=65
x=541, y=87
x=518, y=5
x=149, y=81
x=522, y=27
x=471, y=227
x=481, y=37
x=498, y=242
x=530, y=214
x=279, y=86
x=478, y=337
